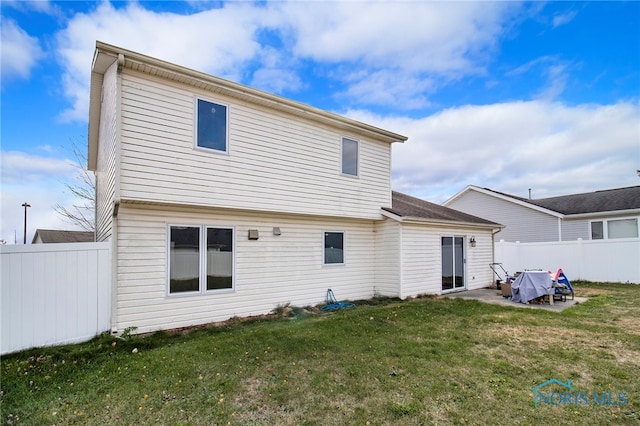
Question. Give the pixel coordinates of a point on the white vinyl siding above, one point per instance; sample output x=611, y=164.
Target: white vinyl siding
x=521, y=223
x=574, y=229
x=275, y=163
x=421, y=259
x=270, y=271
x=387, y=258
x=107, y=155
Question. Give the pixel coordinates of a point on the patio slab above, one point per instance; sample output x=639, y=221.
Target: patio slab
x=493, y=296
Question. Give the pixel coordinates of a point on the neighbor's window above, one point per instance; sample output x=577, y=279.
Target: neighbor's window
x=597, y=231
x=623, y=228
x=616, y=228
x=200, y=259
x=333, y=248
x=212, y=125
x=349, y=156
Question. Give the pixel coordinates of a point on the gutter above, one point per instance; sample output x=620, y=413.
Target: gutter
x=442, y=222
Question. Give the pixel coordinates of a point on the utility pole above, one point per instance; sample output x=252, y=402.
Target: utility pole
x=25, y=205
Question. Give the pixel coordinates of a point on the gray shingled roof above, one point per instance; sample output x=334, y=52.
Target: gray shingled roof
x=56, y=236
x=407, y=206
x=590, y=202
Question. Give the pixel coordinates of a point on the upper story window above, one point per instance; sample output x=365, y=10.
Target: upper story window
x=616, y=228
x=349, y=156
x=212, y=125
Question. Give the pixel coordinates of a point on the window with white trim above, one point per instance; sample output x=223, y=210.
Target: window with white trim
x=211, y=125
x=333, y=248
x=614, y=228
x=201, y=259
x=350, y=156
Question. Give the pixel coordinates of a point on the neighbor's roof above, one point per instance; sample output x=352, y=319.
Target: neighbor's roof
x=408, y=207
x=592, y=202
x=106, y=55
x=608, y=200
x=57, y=236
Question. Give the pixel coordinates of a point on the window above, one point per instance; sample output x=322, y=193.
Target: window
x=597, y=231
x=618, y=228
x=349, y=156
x=200, y=259
x=333, y=248
x=212, y=125
x=623, y=228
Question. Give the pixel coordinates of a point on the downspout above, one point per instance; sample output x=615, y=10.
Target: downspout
x=559, y=229
x=493, y=248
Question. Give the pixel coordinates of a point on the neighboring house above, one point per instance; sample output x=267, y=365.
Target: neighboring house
x=221, y=200
x=607, y=214
x=46, y=236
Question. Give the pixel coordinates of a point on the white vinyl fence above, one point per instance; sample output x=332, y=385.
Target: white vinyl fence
x=614, y=260
x=53, y=294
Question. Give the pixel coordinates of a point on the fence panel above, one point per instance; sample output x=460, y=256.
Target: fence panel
x=615, y=260
x=53, y=294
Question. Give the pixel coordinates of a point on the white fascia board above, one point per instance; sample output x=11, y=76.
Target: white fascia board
x=392, y=216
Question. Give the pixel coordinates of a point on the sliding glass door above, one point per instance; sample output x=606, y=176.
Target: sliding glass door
x=452, y=249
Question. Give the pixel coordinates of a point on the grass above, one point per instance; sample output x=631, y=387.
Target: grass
x=422, y=361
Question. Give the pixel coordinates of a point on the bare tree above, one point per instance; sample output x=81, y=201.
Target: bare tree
x=82, y=212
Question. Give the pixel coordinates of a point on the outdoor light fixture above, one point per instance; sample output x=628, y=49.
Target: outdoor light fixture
x=253, y=234
x=472, y=241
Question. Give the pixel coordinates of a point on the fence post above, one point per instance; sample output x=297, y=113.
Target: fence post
x=580, y=254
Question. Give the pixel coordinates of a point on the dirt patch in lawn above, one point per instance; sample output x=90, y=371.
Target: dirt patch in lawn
x=524, y=338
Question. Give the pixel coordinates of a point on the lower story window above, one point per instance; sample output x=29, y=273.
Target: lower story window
x=333, y=248
x=200, y=259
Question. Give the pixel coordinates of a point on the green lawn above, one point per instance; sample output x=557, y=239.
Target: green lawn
x=422, y=361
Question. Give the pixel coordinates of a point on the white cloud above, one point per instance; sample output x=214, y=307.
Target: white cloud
x=20, y=51
x=276, y=80
x=217, y=41
x=425, y=43
x=550, y=147
x=418, y=36
x=563, y=19
x=41, y=6
x=39, y=181
x=389, y=88
x=19, y=166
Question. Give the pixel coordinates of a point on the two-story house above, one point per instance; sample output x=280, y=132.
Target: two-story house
x=221, y=200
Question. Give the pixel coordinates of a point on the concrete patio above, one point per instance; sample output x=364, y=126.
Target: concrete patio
x=493, y=296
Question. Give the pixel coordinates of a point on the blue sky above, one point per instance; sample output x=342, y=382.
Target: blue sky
x=504, y=95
